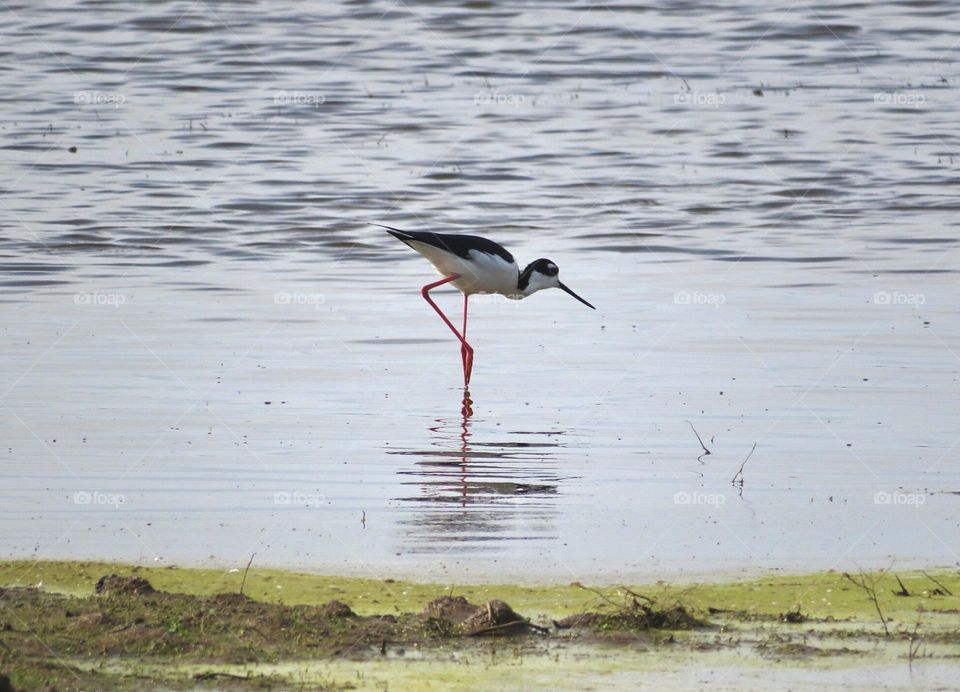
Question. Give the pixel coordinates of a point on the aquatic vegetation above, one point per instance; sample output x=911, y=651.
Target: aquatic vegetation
x=109, y=626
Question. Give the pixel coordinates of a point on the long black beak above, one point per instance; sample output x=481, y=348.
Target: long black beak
x=563, y=287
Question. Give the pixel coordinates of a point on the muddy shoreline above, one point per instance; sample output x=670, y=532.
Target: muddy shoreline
x=86, y=625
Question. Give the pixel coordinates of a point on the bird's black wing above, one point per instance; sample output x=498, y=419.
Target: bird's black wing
x=459, y=245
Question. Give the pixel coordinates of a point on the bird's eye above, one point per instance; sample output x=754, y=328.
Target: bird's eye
x=552, y=269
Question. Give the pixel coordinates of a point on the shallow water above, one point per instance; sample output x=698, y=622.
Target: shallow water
x=208, y=353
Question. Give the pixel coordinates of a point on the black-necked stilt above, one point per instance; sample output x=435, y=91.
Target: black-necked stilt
x=478, y=265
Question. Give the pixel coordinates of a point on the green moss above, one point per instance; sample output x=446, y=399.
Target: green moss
x=825, y=595
x=819, y=595
x=184, y=636
x=365, y=596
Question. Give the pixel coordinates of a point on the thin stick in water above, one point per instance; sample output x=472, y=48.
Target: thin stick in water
x=942, y=587
x=244, y=580
x=870, y=588
x=735, y=481
x=705, y=450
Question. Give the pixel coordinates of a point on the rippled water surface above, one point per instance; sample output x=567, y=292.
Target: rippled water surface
x=208, y=352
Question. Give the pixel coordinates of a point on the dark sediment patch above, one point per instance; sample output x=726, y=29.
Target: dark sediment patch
x=636, y=617
x=114, y=583
x=455, y=614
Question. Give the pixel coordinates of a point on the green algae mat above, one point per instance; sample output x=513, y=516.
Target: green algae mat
x=90, y=625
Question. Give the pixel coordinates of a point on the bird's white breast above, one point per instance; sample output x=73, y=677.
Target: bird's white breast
x=482, y=273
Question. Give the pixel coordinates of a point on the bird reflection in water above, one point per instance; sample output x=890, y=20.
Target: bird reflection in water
x=474, y=494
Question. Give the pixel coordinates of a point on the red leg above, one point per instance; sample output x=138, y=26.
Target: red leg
x=465, y=351
x=464, y=346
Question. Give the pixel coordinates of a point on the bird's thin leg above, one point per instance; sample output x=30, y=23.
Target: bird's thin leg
x=465, y=351
x=425, y=292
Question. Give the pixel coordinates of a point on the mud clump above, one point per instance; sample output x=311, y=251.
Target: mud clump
x=453, y=609
x=89, y=621
x=453, y=615
x=636, y=616
x=116, y=584
x=229, y=599
x=495, y=618
x=336, y=609
x=794, y=616
x=578, y=620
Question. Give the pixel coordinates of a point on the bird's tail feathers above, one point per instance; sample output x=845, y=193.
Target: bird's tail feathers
x=395, y=232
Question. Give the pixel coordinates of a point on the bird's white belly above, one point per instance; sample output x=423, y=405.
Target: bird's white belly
x=482, y=273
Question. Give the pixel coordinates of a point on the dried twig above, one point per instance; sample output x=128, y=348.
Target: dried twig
x=737, y=480
x=602, y=595
x=214, y=674
x=706, y=451
x=505, y=626
x=639, y=595
x=943, y=588
x=244, y=580
x=903, y=589
x=914, y=646
x=871, y=591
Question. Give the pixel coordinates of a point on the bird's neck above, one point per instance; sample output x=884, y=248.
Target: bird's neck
x=526, y=286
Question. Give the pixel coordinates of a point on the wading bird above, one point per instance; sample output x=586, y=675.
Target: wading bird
x=477, y=265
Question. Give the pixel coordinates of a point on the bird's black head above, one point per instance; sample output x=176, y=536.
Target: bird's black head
x=541, y=274
x=538, y=273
